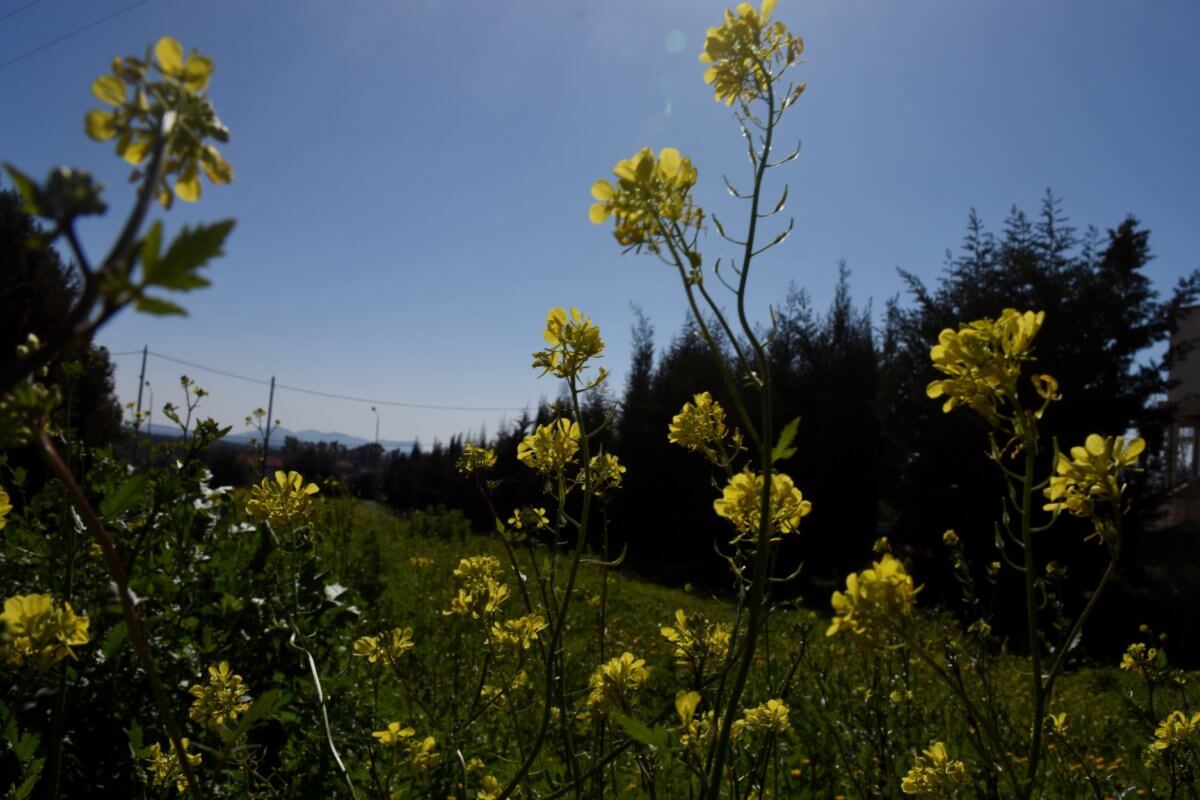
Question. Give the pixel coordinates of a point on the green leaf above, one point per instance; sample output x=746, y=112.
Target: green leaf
x=124, y=497
x=112, y=643
x=783, y=447
x=263, y=706
x=640, y=732
x=26, y=187
x=150, y=247
x=135, y=739
x=34, y=771
x=158, y=307
x=191, y=249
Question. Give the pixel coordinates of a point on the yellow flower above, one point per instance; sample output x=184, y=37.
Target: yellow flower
x=934, y=775
x=164, y=768
x=1138, y=658
x=5, y=507
x=696, y=641
x=700, y=427
x=393, y=734
x=517, y=634
x=1057, y=723
x=983, y=361
x=481, y=595
x=686, y=704
x=614, y=682
x=550, y=447
x=475, y=459
x=421, y=757
x=222, y=700
x=285, y=501
x=650, y=197
x=388, y=646
x=41, y=630
x=529, y=517
x=1176, y=729
x=741, y=504
x=873, y=595
x=141, y=101
x=572, y=341
x=1091, y=474
x=604, y=473
x=747, y=52
x=950, y=538
x=770, y=717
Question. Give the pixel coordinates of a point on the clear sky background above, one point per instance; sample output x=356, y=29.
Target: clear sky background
x=411, y=179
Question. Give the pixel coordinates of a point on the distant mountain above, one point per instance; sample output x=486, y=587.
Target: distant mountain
x=308, y=435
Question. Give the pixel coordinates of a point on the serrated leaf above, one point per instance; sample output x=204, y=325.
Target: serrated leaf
x=640, y=732
x=159, y=307
x=114, y=640
x=783, y=446
x=191, y=249
x=124, y=497
x=34, y=771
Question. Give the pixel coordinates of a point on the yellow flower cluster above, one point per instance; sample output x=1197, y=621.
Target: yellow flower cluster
x=1139, y=659
x=164, y=768
x=222, y=700
x=745, y=50
x=934, y=775
x=481, y=594
x=550, y=447
x=387, y=647
x=490, y=788
x=529, y=518
x=1176, y=729
x=650, y=197
x=770, y=717
x=697, y=641
x=517, y=634
x=572, y=341
x=1091, y=474
x=614, y=682
x=5, y=507
x=421, y=756
x=700, y=427
x=140, y=104
x=393, y=734
x=40, y=631
x=604, y=472
x=882, y=592
x=475, y=459
x=983, y=361
x=741, y=504
x=285, y=501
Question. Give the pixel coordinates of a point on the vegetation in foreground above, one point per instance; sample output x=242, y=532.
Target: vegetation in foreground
x=168, y=636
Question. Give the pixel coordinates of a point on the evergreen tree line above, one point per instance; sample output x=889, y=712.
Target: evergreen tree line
x=874, y=454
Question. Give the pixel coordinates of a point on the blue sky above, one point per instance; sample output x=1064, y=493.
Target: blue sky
x=412, y=178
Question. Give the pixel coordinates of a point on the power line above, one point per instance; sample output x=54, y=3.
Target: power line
x=70, y=34
x=318, y=392
x=19, y=9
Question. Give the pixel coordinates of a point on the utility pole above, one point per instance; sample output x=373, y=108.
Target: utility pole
x=376, y=425
x=137, y=414
x=267, y=430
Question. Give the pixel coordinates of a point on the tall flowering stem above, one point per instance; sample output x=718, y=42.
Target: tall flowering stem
x=137, y=634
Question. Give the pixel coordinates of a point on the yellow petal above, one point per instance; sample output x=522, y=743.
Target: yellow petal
x=1134, y=449
x=188, y=188
x=169, y=53
x=603, y=190
x=668, y=161
x=1095, y=444
x=109, y=89
x=135, y=152
x=99, y=125
x=767, y=7
x=196, y=72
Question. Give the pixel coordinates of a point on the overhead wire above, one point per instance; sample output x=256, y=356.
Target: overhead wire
x=318, y=392
x=69, y=34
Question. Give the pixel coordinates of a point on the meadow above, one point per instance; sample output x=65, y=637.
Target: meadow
x=163, y=635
